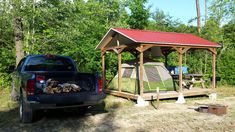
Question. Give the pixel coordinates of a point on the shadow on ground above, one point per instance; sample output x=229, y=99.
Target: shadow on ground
x=95, y=119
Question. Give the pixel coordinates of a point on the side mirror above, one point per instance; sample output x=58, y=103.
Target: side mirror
x=11, y=68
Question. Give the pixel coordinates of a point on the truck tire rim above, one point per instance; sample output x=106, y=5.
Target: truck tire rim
x=21, y=108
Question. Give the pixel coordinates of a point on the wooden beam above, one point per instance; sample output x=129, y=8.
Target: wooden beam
x=141, y=71
x=165, y=95
x=183, y=46
x=213, y=71
x=122, y=94
x=118, y=50
x=180, y=70
x=121, y=49
x=114, y=47
x=185, y=50
x=103, y=69
x=213, y=50
x=144, y=48
x=115, y=50
x=106, y=42
x=181, y=50
x=138, y=49
x=174, y=94
x=117, y=36
x=119, y=72
x=178, y=49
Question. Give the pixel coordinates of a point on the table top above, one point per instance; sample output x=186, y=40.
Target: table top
x=194, y=75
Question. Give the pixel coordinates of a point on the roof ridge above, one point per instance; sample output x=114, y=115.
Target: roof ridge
x=144, y=30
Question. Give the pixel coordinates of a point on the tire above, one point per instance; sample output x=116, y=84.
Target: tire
x=26, y=113
x=82, y=110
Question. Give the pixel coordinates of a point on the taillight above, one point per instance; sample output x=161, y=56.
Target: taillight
x=30, y=88
x=100, y=83
x=40, y=78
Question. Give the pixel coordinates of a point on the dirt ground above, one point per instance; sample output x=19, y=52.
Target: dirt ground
x=119, y=114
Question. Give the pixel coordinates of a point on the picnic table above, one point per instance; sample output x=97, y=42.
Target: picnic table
x=189, y=80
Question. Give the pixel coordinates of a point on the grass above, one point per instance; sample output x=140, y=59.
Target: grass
x=225, y=91
x=121, y=115
x=8, y=109
x=112, y=102
x=5, y=99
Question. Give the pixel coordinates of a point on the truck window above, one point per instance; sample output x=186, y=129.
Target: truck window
x=43, y=63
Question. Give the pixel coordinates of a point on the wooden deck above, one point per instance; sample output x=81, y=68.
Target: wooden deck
x=163, y=95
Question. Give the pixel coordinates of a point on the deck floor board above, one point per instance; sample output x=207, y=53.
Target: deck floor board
x=163, y=95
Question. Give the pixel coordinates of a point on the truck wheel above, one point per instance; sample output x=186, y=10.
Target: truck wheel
x=82, y=110
x=26, y=113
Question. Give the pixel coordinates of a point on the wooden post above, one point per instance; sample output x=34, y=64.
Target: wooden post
x=213, y=70
x=213, y=51
x=141, y=71
x=103, y=69
x=119, y=71
x=119, y=66
x=181, y=51
x=180, y=70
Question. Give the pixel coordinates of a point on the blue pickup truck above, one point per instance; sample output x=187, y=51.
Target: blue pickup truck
x=50, y=82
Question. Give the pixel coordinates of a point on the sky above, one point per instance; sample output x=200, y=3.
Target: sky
x=183, y=10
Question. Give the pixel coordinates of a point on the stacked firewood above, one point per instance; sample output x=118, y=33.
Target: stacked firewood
x=52, y=86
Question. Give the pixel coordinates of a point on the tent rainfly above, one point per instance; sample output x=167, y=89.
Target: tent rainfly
x=155, y=75
x=138, y=42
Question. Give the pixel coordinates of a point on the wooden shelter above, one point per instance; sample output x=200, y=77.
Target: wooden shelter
x=121, y=40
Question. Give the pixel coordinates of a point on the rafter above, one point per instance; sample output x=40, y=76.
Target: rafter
x=213, y=50
x=106, y=42
x=114, y=47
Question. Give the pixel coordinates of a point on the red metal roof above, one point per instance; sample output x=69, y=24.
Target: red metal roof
x=146, y=36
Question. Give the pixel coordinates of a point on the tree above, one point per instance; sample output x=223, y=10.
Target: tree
x=7, y=50
x=139, y=15
x=198, y=16
x=18, y=29
x=206, y=12
x=162, y=22
x=222, y=11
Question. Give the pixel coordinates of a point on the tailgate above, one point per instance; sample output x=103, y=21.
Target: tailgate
x=70, y=98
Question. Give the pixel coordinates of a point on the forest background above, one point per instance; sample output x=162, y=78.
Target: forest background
x=74, y=28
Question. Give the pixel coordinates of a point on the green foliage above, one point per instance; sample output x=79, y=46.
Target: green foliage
x=163, y=22
x=139, y=15
x=226, y=58
x=211, y=31
x=6, y=44
x=75, y=28
x=229, y=33
x=227, y=67
x=222, y=10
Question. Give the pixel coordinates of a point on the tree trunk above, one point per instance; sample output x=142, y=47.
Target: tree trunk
x=205, y=65
x=206, y=13
x=198, y=16
x=18, y=35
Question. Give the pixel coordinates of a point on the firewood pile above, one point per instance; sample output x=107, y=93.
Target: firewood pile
x=53, y=86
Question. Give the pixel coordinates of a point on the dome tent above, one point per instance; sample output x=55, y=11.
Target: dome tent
x=155, y=75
